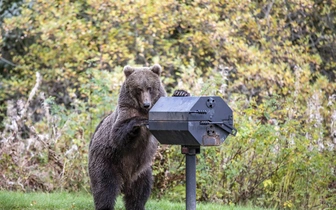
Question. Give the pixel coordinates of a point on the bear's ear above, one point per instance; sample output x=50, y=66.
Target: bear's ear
x=128, y=70
x=156, y=69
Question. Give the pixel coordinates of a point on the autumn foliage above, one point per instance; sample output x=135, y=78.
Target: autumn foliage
x=274, y=62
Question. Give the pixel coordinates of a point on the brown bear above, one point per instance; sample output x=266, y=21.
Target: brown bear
x=122, y=147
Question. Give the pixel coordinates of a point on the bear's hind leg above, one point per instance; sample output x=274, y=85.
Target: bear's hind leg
x=139, y=191
x=105, y=188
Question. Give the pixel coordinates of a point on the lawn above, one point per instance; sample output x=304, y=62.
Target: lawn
x=63, y=200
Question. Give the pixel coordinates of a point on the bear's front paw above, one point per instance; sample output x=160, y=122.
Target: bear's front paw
x=180, y=93
x=135, y=125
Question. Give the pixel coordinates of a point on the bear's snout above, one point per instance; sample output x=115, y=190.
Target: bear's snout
x=146, y=99
x=146, y=105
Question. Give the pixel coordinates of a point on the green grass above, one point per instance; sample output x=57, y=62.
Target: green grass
x=62, y=200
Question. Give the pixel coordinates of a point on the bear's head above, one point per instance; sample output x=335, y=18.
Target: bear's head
x=143, y=86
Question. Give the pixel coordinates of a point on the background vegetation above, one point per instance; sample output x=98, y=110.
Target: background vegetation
x=274, y=62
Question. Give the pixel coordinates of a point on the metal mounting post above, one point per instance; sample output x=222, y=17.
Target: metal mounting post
x=190, y=152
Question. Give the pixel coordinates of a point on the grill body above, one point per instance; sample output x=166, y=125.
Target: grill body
x=194, y=121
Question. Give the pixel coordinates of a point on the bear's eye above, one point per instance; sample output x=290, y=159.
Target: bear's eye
x=149, y=89
x=138, y=90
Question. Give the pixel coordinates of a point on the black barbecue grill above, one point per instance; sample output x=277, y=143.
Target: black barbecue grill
x=194, y=121
x=191, y=122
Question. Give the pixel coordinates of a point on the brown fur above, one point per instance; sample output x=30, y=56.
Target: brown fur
x=122, y=148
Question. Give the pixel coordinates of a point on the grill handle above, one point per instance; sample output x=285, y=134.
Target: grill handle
x=198, y=112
